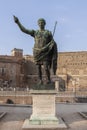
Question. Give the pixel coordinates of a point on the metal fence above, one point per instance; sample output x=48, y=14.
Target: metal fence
x=58, y=94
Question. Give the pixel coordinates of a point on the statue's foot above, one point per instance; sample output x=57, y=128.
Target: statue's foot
x=40, y=82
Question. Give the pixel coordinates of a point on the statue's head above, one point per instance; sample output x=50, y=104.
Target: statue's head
x=42, y=20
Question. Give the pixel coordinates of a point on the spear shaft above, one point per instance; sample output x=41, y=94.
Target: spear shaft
x=54, y=28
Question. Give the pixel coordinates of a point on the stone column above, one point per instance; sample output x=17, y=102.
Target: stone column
x=56, y=80
x=57, y=85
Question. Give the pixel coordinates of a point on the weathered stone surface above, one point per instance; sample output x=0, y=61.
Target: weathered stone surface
x=43, y=107
x=44, y=112
x=60, y=126
x=21, y=70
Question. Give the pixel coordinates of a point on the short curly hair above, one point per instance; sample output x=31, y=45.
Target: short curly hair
x=41, y=19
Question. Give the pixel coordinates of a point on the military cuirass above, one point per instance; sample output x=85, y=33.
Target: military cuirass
x=41, y=39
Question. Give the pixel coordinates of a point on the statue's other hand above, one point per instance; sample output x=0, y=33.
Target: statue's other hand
x=15, y=19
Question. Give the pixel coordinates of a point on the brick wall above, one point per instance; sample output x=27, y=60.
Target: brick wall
x=21, y=71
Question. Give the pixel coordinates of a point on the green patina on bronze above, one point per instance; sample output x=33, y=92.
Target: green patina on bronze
x=45, y=48
x=50, y=86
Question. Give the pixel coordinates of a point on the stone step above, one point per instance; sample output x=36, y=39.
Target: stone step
x=2, y=114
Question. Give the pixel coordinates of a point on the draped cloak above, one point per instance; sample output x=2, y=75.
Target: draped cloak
x=45, y=49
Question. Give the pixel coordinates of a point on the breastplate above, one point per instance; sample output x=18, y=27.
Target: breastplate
x=41, y=39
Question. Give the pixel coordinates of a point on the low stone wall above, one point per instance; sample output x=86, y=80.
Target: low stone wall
x=24, y=97
x=65, y=99
x=28, y=99
x=17, y=99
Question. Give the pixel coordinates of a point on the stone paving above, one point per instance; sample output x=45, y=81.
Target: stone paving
x=15, y=116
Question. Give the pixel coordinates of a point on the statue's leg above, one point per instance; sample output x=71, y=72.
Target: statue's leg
x=47, y=70
x=40, y=74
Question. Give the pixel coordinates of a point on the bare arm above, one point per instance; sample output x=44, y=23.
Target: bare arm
x=22, y=28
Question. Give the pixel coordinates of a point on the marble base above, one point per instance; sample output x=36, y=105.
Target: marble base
x=43, y=111
x=43, y=107
x=43, y=120
x=60, y=126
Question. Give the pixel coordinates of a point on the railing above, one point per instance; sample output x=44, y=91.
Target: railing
x=13, y=93
x=59, y=94
x=72, y=94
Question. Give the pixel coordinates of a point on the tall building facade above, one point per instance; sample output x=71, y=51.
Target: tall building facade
x=72, y=67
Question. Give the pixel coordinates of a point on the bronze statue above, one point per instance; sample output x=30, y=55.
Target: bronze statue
x=45, y=48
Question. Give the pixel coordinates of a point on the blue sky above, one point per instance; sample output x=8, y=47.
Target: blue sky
x=71, y=29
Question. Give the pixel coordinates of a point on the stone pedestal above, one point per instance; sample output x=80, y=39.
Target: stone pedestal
x=43, y=107
x=43, y=112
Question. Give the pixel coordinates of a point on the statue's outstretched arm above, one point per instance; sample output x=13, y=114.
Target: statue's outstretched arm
x=22, y=28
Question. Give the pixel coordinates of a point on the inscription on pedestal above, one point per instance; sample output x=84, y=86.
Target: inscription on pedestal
x=43, y=105
x=43, y=114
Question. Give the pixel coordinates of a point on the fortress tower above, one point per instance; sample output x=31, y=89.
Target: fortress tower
x=17, y=52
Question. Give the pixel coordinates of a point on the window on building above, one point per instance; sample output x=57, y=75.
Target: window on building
x=2, y=71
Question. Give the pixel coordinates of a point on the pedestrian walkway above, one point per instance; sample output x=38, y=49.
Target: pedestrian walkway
x=15, y=116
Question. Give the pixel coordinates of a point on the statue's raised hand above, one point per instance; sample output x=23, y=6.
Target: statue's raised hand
x=15, y=19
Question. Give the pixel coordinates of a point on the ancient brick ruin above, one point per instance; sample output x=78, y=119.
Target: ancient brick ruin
x=19, y=71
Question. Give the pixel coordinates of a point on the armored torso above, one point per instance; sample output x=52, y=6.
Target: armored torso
x=42, y=38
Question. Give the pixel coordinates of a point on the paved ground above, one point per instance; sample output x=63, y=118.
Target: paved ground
x=15, y=116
